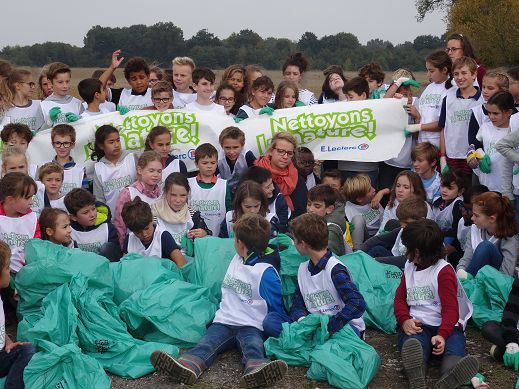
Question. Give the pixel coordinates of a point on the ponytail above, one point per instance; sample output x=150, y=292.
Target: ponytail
x=493, y=203
x=440, y=59
x=7, y=90
x=101, y=134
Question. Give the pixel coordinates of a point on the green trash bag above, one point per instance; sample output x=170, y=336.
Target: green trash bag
x=377, y=283
x=290, y=261
x=63, y=367
x=106, y=338
x=50, y=265
x=134, y=273
x=173, y=312
x=56, y=322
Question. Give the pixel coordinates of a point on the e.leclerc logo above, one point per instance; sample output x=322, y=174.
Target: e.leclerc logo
x=189, y=155
x=362, y=146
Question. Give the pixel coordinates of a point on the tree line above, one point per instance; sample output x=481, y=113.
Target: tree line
x=162, y=42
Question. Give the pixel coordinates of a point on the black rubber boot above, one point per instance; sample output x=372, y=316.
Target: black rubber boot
x=456, y=371
x=414, y=364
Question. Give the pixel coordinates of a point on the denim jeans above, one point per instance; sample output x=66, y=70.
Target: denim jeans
x=485, y=254
x=222, y=337
x=111, y=251
x=379, y=251
x=454, y=344
x=13, y=364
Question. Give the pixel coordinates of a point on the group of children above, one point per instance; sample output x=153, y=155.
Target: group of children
x=444, y=207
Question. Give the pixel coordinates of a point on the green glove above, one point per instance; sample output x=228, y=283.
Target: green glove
x=237, y=120
x=231, y=234
x=382, y=232
x=284, y=240
x=71, y=117
x=188, y=244
x=300, y=104
x=408, y=134
x=484, y=165
x=269, y=111
x=411, y=82
x=516, y=171
x=351, y=226
x=327, y=336
x=480, y=380
x=54, y=112
x=11, y=284
x=122, y=109
x=511, y=360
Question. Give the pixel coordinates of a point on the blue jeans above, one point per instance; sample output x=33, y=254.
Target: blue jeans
x=222, y=337
x=273, y=324
x=379, y=251
x=13, y=364
x=111, y=251
x=454, y=344
x=485, y=254
x=373, y=175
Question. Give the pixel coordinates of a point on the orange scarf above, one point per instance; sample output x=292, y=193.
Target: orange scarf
x=286, y=180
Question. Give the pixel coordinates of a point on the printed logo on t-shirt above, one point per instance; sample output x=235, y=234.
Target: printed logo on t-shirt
x=237, y=286
x=443, y=224
x=178, y=236
x=90, y=247
x=491, y=149
x=30, y=122
x=330, y=311
x=393, y=274
x=433, y=98
x=14, y=239
x=61, y=118
x=463, y=243
x=371, y=215
x=117, y=183
x=461, y=116
x=417, y=293
x=67, y=187
x=35, y=202
x=135, y=107
x=2, y=334
x=318, y=299
x=206, y=205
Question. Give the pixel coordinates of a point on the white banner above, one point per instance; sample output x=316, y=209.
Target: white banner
x=369, y=131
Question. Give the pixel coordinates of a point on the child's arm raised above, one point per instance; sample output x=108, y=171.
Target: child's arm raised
x=115, y=64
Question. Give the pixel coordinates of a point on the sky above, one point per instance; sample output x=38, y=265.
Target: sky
x=392, y=20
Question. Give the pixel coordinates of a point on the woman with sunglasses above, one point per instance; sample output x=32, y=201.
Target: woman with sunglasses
x=281, y=151
x=458, y=45
x=15, y=92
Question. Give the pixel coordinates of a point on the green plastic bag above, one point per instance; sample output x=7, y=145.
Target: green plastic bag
x=50, y=265
x=173, y=312
x=290, y=261
x=106, y=339
x=63, y=367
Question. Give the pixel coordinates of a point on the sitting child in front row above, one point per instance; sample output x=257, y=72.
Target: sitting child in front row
x=322, y=274
x=144, y=237
x=55, y=227
x=432, y=310
x=237, y=324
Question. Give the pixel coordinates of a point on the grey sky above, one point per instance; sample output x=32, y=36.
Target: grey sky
x=54, y=20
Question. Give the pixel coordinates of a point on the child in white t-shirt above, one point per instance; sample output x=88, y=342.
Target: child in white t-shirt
x=183, y=94
x=425, y=158
x=203, y=84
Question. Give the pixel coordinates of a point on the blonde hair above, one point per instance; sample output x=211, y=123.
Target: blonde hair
x=280, y=93
x=49, y=168
x=402, y=72
x=465, y=61
x=287, y=137
x=356, y=187
x=147, y=157
x=502, y=80
x=7, y=89
x=39, y=90
x=183, y=61
x=10, y=152
x=5, y=254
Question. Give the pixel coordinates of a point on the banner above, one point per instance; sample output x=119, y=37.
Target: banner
x=368, y=131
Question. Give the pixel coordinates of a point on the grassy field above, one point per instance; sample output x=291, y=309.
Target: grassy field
x=312, y=81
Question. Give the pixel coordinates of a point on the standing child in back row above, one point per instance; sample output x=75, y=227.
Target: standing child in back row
x=203, y=84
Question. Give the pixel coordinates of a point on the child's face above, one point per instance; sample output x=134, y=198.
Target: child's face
x=52, y=182
x=204, y=89
x=335, y=183
x=236, y=81
x=226, y=99
x=353, y=96
x=162, y=100
x=318, y=207
x=292, y=73
x=86, y=216
x=46, y=86
x=110, y=84
x=16, y=140
x=450, y=192
x=289, y=98
x=249, y=205
x=405, y=90
x=61, y=84
x=62, y=144
x=253, y=77
x=497, y=117
x=335, y=82
x=182, y=77
x=112, y=145
x=305, y=164
x=100, y=96
x=434, y=74
x=268, y=188
x=480, y=219
x=146, y=235
x=261, y=96
x=232, y=148
x=514, y=88
x=403, y=188
x=489, y=88
x=151, y=174
x=422, y=166
x=463, y=77
x=176, y=197
x=404, y=223
x=61, y=232
x=207, y=166
x=138, y=81
x=22, y=204
x=27, y=87
x=466, y=212
x=369, y=196
x=162, y=144
x=5, y=278
x=15, y=163
x=373, y=84
x=153, y=79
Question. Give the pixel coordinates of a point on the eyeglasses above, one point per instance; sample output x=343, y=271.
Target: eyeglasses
x=453, y=49
x=159, y=100
x=31, y=84
x=283, y=152
x=307, y=163
x=64, y=144
x=463, y=208
x=224, y=100
x=513, y=83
